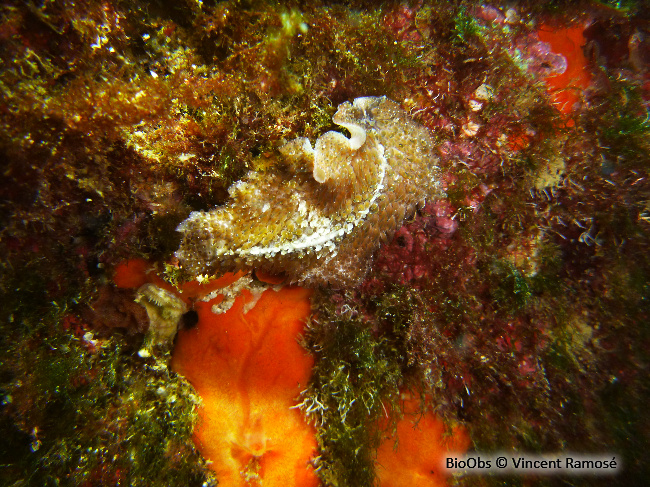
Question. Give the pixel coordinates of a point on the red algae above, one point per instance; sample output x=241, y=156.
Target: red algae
x=248, y=367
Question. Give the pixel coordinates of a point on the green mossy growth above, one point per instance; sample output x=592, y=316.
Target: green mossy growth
x=355, y=384
x=81, y=410
x=547, y=279
x=629, y=7
x=121, y=117
x=465, y=26
x=514, y=291
x=622, y=125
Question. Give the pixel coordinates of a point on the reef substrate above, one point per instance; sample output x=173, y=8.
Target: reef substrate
x=515, y=305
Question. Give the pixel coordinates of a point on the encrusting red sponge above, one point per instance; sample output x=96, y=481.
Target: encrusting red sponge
x=566, y=88
x=248, y=368
x=415, y=457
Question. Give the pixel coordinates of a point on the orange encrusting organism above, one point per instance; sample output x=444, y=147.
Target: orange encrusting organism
x=133, y=273
x=248, y=368
x=269, y=278
x=566, y=88
x=422, y=444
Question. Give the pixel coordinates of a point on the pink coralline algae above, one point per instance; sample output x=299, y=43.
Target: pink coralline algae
x=539, y=57
x=413, y=253
x=408, y=256
x=402, y=23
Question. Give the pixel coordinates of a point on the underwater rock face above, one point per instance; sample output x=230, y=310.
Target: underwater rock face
x=343, y=197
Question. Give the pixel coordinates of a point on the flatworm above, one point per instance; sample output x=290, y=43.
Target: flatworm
x=319, y=220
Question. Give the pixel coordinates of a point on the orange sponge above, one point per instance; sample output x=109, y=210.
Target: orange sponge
x=415, y=457
x=131, y=273
x=566, y=88
x=248, y=368
x=134, y=273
